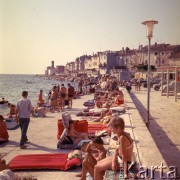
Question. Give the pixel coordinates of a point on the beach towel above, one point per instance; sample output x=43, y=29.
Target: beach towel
x=120, y=109
x=43, y=161
x=96, y=126
x=11, y=123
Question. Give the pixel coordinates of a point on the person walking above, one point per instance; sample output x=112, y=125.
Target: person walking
x=23, y=111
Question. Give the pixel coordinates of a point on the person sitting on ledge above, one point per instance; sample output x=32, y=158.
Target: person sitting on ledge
x=75, y=136
x=122, y=155
x=90, y=160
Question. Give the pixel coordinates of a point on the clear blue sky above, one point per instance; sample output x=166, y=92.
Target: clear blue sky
x=34, y=32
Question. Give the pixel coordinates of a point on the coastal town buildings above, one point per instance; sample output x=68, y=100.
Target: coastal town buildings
x=115, y=62
x=50, y=70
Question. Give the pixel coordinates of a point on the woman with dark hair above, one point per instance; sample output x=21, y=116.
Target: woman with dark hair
x=90, y=161
x=122, y=155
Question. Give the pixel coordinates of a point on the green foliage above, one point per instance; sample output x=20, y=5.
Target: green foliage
x=142, y=67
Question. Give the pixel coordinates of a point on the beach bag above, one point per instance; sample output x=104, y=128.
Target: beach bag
x=66, y=102
x=75, y=154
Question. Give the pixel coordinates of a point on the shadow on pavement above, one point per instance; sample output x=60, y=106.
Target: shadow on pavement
x=167, y=148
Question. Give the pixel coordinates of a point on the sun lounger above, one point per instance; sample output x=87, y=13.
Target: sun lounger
x=97, y=109
x=118, y=109
x=11, y=123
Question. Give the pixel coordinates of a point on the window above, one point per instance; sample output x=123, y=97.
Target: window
x=156, y=53
x=162, y=53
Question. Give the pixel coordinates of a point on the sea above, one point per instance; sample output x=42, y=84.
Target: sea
x=11, y=87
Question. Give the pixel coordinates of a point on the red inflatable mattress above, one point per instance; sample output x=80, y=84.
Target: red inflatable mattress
x=43, y=161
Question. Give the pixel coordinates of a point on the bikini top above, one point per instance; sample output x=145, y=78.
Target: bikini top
x=130, y=140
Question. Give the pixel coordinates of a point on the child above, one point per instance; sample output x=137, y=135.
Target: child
x=90, y=161
x=12, y=110
x=60, y=102
x=122, y=155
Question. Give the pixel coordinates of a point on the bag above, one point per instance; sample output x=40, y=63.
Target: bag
x=66, y=102
x=67, y=140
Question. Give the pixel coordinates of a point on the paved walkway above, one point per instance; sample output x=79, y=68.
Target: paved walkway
x=165, y=127
x=164, y=123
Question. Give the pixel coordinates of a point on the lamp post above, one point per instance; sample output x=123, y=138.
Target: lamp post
x=149, y=33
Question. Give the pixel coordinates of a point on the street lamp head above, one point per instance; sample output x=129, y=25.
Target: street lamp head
x=149, y=27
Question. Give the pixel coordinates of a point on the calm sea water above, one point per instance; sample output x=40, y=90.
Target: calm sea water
x=11, y=87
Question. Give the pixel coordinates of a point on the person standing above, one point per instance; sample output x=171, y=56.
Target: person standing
x=63, y=93
x=71, y=93
x=40, y=98
x=23, y=111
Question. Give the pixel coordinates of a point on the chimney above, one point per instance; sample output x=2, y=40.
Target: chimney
x=123, y=49
x=52, y=64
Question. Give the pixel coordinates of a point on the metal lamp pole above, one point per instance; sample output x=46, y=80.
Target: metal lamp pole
x=149, y=30
x=148, y=84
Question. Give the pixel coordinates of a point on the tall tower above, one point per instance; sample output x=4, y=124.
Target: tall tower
x=52, y=64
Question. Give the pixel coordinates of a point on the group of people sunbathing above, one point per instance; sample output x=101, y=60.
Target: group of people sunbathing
x=104, y=104
x=96, y=162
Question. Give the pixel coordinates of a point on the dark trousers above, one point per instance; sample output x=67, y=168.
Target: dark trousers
x=23, y=123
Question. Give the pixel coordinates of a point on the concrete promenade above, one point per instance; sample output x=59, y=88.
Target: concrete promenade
x=162, y=145
x=164, y=124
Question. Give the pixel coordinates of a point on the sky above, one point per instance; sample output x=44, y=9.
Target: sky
x=35, y=32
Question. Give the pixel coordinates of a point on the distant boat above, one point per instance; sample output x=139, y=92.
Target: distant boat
x=29, y=82
x=4, y=102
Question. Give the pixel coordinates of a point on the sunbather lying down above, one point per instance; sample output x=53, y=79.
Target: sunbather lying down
x=105, y=115
x=88, y=114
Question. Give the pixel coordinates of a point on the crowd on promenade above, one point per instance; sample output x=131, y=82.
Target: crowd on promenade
x=59, y=97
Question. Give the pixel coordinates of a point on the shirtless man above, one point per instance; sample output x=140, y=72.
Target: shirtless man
x=71, y=93
x=63, y=93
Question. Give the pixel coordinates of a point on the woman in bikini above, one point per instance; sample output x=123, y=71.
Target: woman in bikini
x=119, y=99
x=122, y=155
